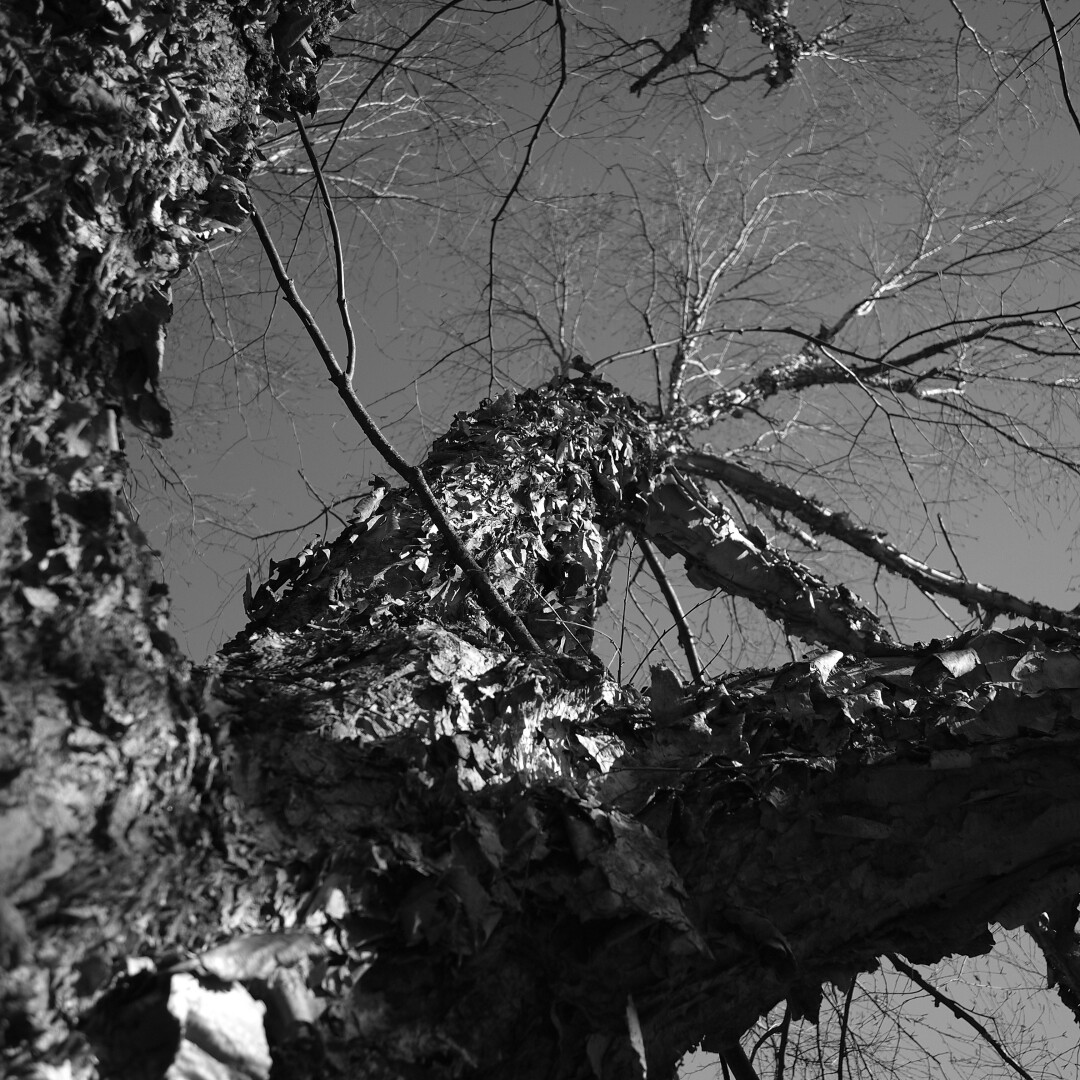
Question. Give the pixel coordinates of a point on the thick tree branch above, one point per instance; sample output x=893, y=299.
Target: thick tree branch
x=684, y=519
x=823, y=521
x=809, y=367
x=686, y=637
x=960, y=1013
x=437, y=857
x=494, y=604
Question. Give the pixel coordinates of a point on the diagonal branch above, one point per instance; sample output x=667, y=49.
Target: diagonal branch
x=780, y=497
x=736, y=1060
x=686, y=638
x=391, y=58
x=683, y=519
x=494, y=604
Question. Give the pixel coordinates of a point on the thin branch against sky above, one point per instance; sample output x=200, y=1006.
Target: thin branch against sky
x=794, y=264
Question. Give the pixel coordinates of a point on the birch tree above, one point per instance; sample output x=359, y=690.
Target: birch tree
x=407, y=823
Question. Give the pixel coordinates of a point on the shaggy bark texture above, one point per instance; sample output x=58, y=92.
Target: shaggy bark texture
x=370, y=840
x=125, y=136
x=543, y=867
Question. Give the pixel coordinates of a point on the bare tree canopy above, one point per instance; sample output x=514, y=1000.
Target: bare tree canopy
x=713, y=324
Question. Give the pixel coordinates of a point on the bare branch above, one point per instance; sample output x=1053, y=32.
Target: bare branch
x=683, y=519
x=735, y=1059
x=339, y=251
x=686, y=638
x=1052, y=28
x=841, y=1054
x=781, y=1050
x=810, y=368
x=830, y=523
x=393, y=54
x=537, y=127
x=481, y=584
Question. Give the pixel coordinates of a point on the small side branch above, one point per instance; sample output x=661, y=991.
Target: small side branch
x=492, y=602
x=781, y=1050
x=841, y=1054
x=686, y=638
x=826, y=522
x=339, y=250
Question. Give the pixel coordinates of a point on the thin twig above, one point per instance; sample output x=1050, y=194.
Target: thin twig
x=940, y=610
x=960, y=1013
x=494, y=604
x=339, y=250
x=342, y=123
x=952, y=550
x=686, y=638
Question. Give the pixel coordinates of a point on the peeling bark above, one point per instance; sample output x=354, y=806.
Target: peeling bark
x=826, y=522
x=688, y=521
x=767, y=18
x=517, y=854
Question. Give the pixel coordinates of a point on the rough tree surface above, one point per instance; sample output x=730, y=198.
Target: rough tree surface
x=370, y=840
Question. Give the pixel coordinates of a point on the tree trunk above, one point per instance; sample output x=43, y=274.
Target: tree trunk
x=369, y=839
